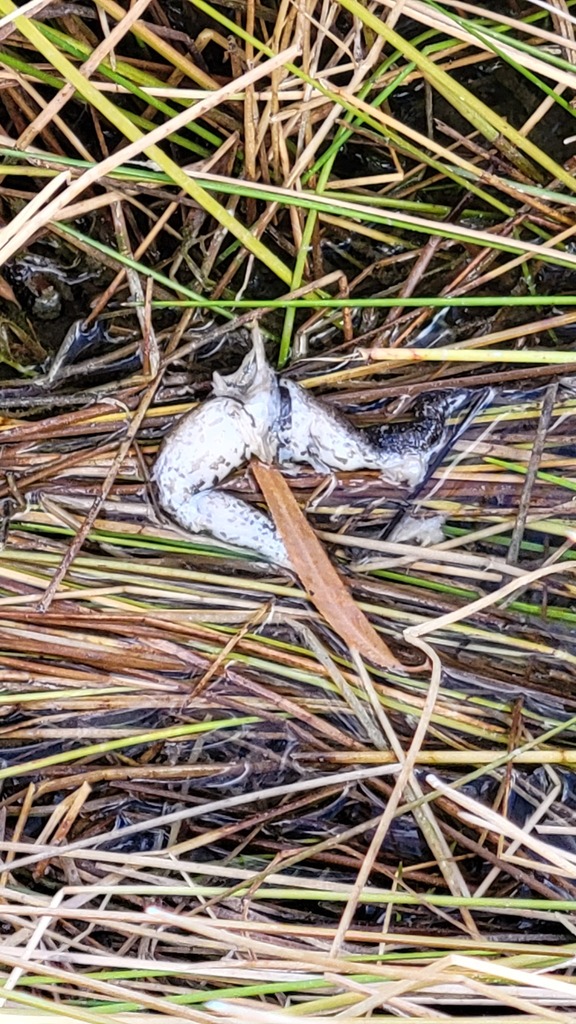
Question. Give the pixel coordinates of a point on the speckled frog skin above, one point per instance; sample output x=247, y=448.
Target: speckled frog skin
x=311, y=431
x=253, y=412
x=210, y=443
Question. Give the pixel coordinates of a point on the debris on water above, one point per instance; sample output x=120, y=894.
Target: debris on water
x=41, y=286
x=438, y=331
x=44, y=285
x=423, y=530
x=19, y=346
x=80, y=341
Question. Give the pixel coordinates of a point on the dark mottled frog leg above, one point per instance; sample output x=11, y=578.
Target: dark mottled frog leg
x=431, y=434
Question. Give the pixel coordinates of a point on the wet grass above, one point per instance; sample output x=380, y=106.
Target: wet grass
x=212, y=809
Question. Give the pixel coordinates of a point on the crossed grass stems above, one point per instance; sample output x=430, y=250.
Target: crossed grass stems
x=211, y=884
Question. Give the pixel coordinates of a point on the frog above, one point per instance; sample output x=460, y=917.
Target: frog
x=255, y=412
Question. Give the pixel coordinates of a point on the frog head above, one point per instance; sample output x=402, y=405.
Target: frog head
x=252, y=377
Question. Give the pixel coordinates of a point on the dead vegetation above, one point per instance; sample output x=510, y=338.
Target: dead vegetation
x=213, y=808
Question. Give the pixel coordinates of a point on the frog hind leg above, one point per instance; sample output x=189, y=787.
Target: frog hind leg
x=233, y=521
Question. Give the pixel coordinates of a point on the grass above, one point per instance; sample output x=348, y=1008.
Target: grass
x=212, y=808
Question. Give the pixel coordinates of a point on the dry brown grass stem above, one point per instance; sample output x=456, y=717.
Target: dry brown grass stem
x=216, y=806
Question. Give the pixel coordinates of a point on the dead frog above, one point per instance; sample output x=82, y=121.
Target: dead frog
x=254, y=412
